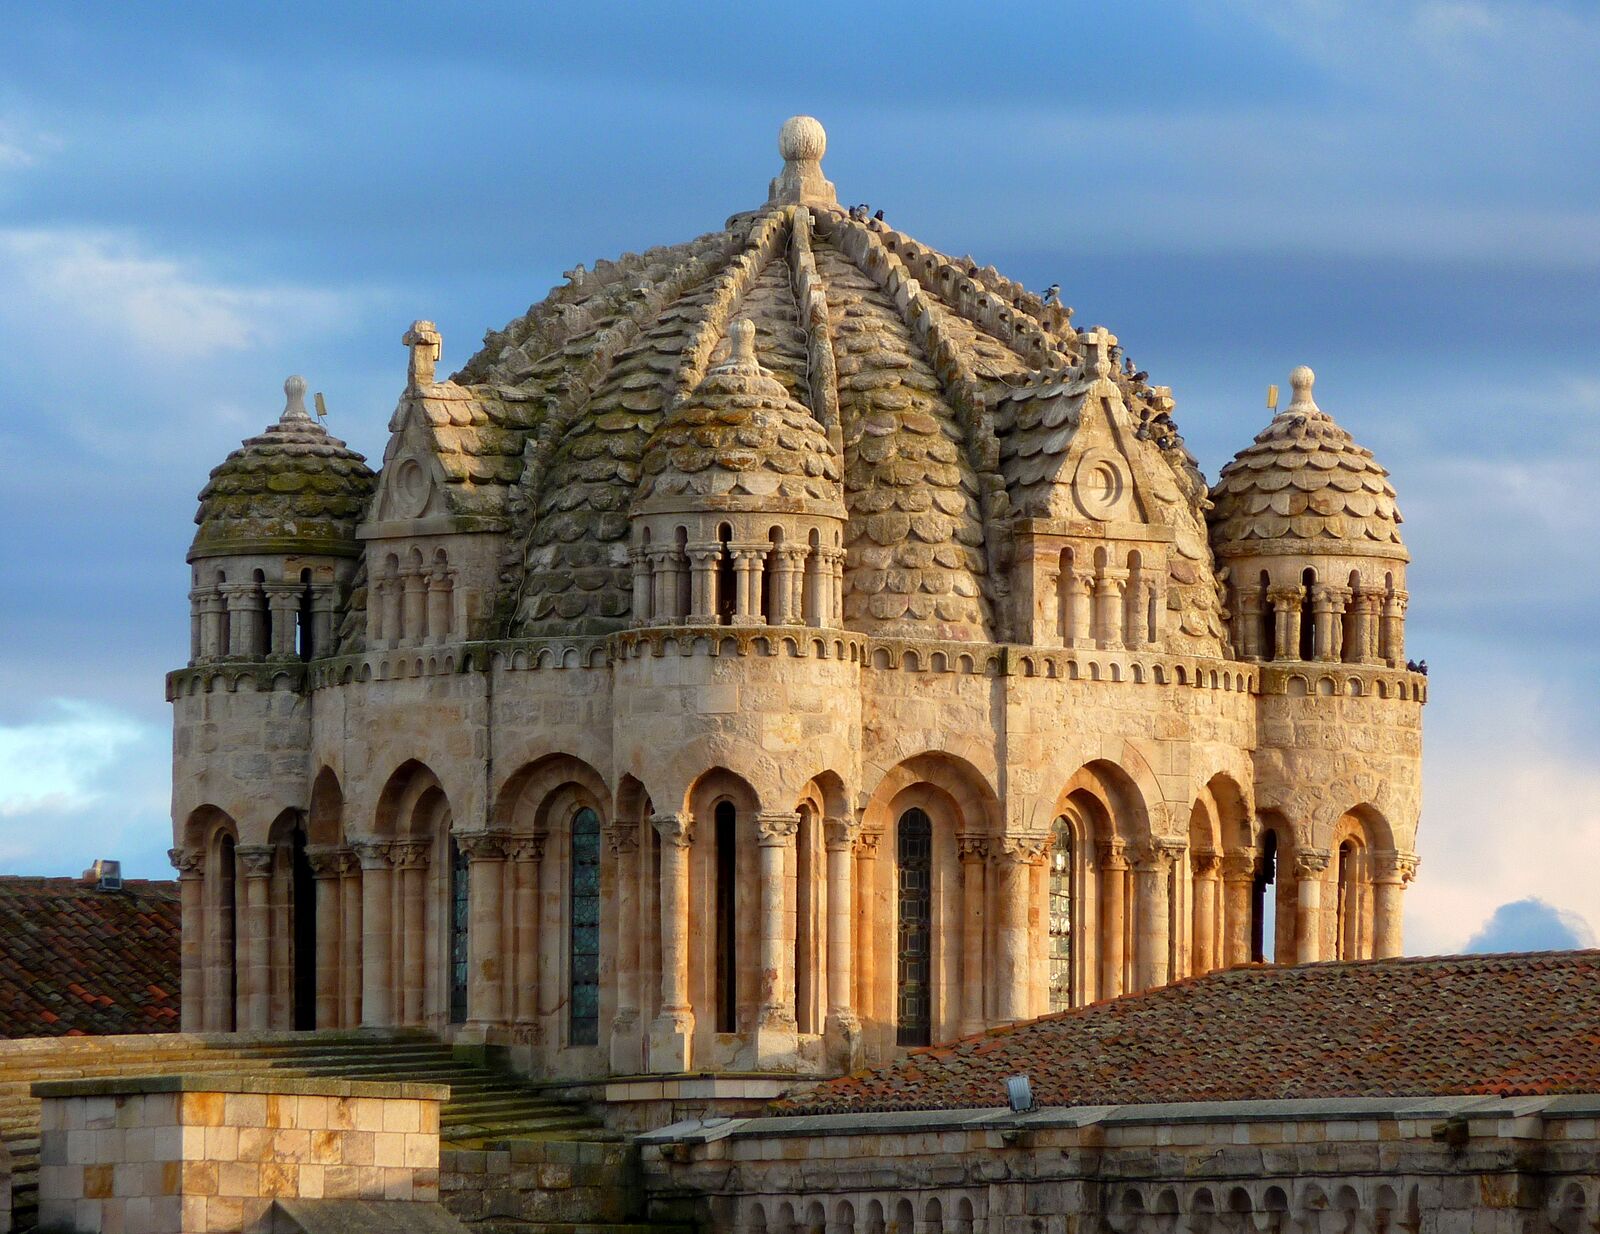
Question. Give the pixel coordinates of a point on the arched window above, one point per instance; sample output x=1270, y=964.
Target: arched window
x=727, y=595
x=228, y=917
x=808, y=999
x=305, y=647
x=583, y=912
x=1308, y=624
x=1063, y=870
x=1263, y=910
x=914, y=872
x=303, y=911
x=1269, y=620
x=460, y=917
x=727, y=934
x=683, y=579
x=1347, y=927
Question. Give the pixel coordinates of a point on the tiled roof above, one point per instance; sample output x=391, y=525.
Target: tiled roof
x=1509, y=1025
x=74, y=960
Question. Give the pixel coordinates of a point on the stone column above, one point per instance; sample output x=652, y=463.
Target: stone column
x=796, y=555
x=524, y=853
x=414, y=621
x=1017, y=858
x=639, y=559
x=672, y=1032
x=1108, y=599
x=1394, y=628
x=1249, y=619
x=1371, y=625
x=256, y=988
x=664, y=609
x=776, y=1029
x=627, y=1055
x=1308, y=867
x=1136, y=613
x=1286, y=602
x=324, y=602
x=747, y=559
x=1323, y=601
x=1356, y=624
x=1238, y=880
x=197, y=599
x=1393, y=873
x=439, y=605
x=243, y=619
x=283, y=602
x=703, y=559
x=836, y=591
x=377, y=1007
x=486, y=855
x=973, y=851
x=350, y=943
x=190, y=863
x=1152, y=917
x=842, y=1030
x=393, y=593
x=1080, y=614
x=410, y=857
x=325, y=869
x=1206, y=865
x=782, y=586
x=1113, y=890
x=817, y=607
x=867, y=941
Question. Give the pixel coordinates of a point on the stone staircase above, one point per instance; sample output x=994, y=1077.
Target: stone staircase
x=490, y=1118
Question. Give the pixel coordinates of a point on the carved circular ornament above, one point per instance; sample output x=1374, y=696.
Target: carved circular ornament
x=411, y=489
x=1100, y=484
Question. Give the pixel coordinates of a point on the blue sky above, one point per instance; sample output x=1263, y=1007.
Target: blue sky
x=197, y=200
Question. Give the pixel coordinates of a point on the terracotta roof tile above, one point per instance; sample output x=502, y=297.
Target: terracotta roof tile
x=76, y=961
x=1509, y=1025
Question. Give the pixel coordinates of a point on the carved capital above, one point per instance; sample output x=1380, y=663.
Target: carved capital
x=1395, y=867
x=674, y=829
x=1024, y=850
x=1286, y=599
x=349, y=862
x=409, y=854
x=1310, y=862
x=1239, y=865
x=186, y=861
x=482, y=845
x=867, y=844
x=256, y=859
x=622, y=837
x=1206, y=863
x=1113, y=854
x=373, y=854
x=776, y=828
x=972, y=848
x=839, y=832
x=324, y=862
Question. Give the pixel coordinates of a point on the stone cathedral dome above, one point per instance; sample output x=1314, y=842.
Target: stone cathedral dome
x=293, y=487
x=1305, y=480
x=910, y=361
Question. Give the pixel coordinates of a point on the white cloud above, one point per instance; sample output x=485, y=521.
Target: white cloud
x=81, y=780
x=105, y=288
x=1511, y=802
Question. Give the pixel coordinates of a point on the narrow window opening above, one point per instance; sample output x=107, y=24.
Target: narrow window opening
x=1264, y=909
x=460, y=921
x=303, y=915
x=584, y=914
x=304, y=646
x=805, y=934
x=1308, y=624
x=682, y=576
x=1269, y=620
x=1063, y=870
x=227, y=905
x=914, y=871
x=725, y=584
x=726, y=936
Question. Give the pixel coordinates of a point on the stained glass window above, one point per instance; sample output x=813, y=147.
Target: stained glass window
x=460, y=916
x=914, y=872
x=1062, y=872
x=584, y=914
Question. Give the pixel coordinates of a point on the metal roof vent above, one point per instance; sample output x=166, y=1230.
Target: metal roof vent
x=107, y=875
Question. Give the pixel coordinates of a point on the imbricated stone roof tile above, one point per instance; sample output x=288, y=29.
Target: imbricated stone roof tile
x=1506, y=1025
x=76, y=960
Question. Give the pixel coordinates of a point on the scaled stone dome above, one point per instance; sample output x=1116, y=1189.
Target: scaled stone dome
x=898, y=354
x=740, y=441
x=293, y=488
x=1304, y=480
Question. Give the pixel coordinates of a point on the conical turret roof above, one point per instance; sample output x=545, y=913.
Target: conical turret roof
x=292, y=488
x=1304, y=480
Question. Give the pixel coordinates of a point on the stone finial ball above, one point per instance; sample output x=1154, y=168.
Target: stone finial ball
x=295, y=387
x=1301, y=379
x=802, y=140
